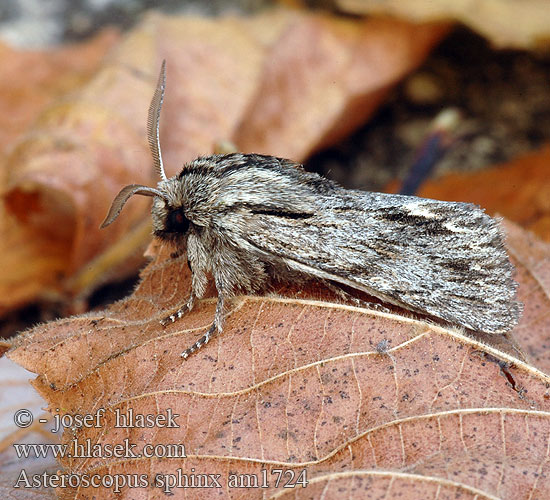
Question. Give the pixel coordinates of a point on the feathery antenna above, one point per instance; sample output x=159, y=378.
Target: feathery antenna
x=153, y=122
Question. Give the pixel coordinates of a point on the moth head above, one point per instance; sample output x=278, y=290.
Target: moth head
x=170, y=221
x=169, y=218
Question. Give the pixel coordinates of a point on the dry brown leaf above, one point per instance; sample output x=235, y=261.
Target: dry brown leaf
x=523, y=24
x=532, y=259
x=362, y=400
x=312, y=97
x=518, y=190
x=35, y=80
x=71, y=164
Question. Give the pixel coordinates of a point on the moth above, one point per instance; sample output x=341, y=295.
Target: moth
x=247, y=219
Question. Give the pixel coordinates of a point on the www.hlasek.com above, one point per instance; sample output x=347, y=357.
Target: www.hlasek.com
x=89, y=449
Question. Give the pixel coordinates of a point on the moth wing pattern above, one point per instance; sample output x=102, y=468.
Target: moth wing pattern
x=446, y=259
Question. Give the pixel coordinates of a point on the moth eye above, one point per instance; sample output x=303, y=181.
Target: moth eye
x=177, y=222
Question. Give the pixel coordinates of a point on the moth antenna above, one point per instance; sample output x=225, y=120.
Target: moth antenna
x=153, y=122
x=125, y=194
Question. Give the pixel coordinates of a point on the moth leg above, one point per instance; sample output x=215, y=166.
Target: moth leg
x=215, y=328
x=199, y=282
x=181, y=311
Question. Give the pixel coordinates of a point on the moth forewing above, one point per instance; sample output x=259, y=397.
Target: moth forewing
x=439, y=258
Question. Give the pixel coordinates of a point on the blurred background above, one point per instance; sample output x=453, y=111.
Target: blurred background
x=420, y=99
x=39, y=24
